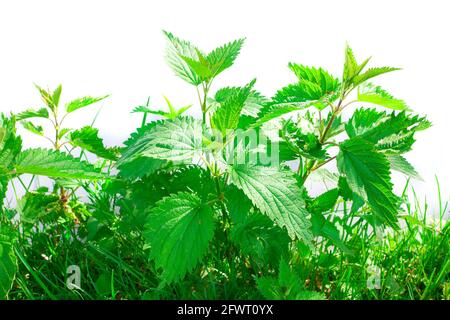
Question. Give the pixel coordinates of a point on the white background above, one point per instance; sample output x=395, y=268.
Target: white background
x=98, y=47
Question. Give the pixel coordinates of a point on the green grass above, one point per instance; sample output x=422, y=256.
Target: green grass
x=412, y=263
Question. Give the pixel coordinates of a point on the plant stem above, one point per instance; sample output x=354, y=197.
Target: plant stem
x=323, y=163
x=203, y=106
x=221, y=197
x=62, y=192
x=144, y=118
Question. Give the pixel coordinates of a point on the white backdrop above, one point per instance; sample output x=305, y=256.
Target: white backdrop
x=98, y=47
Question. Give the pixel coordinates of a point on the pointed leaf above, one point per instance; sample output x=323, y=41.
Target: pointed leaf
x=276, y=194
x=227, y=115
x=138, y=167
x=351, y=67
x=175, y=140
x=47, y=97
x=363, y=120
x=33, y=128
x=36, y=205
x=177, y=49
x=376, y=95
x=302, y=93
x=368, y=174
x=56, y=95
x=83, y=102
x=254, y=233
x=400, y=164
x=30, y=113
x=178, y=231
x=87, y=138
x=252, y=105
x=54, y=164
x=327, y=83
x=271, y=112
x=371, y=73
x=10, y=143
x=223, y=57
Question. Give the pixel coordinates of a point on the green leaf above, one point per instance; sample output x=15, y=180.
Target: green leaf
x=8, y=260
x=317, y=78
x=63, y=132
x=182, y=110
x=368, y=174
x=193, y=179
x=352, y=75
x=3, y=188
x=371, y=73
x=145, y=109
x=302, y=94
x=391, y=133
x=172, y=114
x=200, y=67
x=87, y=138
x=177, y=49
x=178, y=231
x=175, y=140
x=322, y=227
x=227, y=115
x=252, y=105
x=254, y=233
x=223, y=57
x=30, y=113
x=394, y=132
x=302, y=141
x=172, y=110
x=10, y=144
x=51, y=99
x=325, y=201
x=54, y=164
x=209, y=66
x=348, y=195
x=272, y=112
x=363, y=120
x=138, y=167
x=56, y=95
x=351, y=67
x=396, y=143
x=83, y=102
x=376, y=95
x=286, y=287
x=36, y=205
x=400, y=164
x=275, y=193
x=33, y=128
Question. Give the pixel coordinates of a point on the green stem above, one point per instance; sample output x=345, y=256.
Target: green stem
x=220, y=196
x=203, y=105
x=144, y=118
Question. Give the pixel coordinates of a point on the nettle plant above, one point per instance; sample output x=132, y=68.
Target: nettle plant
x=65, y=139
x=41, y=208
x=248, y=196
x=227, y=189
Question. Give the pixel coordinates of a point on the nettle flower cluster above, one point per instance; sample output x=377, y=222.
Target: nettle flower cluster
x=236, y=176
